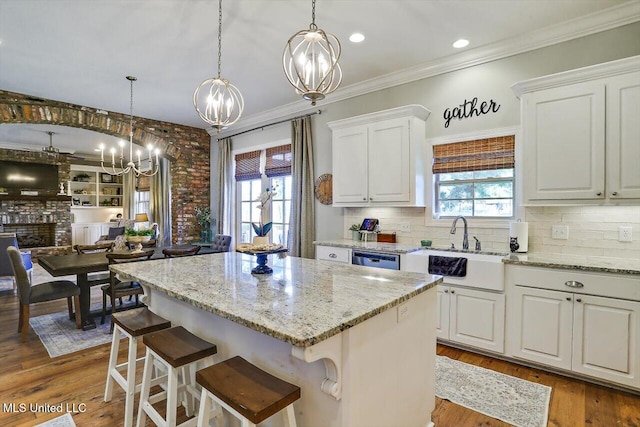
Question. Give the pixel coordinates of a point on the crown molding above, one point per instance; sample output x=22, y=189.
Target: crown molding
x=592, y=72
x=613, y=17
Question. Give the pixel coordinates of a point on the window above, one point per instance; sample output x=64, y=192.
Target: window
x=276, y=163
x=475, y=178
x=143, y=185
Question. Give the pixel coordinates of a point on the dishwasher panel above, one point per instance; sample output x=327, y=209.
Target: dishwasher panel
x=376, y=259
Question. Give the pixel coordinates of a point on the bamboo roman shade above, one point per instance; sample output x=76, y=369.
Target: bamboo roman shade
x=248, y=166
x=476, y=155
x=278, y=161
x=143, y=183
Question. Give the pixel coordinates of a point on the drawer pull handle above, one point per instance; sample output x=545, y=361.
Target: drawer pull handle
x=579, y=300
x=568, y=298
x=573, y=284
x=453, y=292
x=446, y=291
x=332, y=255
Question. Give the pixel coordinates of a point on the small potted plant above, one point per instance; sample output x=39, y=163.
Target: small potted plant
x=355, y=231
x=138, y=236
x=83, y=177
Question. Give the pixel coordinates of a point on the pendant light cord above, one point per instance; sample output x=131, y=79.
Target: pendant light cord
x=219, y=36
x=313, y=25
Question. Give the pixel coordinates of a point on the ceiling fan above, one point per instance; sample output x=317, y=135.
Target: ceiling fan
x=54, y=151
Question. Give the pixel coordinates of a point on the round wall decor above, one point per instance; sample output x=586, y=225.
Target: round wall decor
x=324, y=189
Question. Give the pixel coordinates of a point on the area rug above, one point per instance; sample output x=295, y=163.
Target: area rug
x=509, y=399
x=65, y=420
x=60, y=336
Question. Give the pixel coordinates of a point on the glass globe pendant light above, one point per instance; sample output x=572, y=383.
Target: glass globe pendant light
x=310, y=61
x=217, y=101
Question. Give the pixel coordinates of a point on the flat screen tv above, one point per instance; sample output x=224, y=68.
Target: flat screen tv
x=28, y=176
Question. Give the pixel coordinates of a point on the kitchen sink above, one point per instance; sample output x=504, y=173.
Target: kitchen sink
x=481, y=271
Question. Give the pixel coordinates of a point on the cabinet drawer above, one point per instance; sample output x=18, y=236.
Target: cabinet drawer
x=330, y=253
x=600, y=284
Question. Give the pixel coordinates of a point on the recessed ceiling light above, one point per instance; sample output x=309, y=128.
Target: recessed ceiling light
x=458, y=44
x=356, y=37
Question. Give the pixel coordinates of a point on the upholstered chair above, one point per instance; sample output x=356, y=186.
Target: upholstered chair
x=221, y=243
x=6, y=240
x=31, y=294
x=111, y=236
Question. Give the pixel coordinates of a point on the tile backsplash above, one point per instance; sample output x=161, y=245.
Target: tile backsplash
x=593, y=230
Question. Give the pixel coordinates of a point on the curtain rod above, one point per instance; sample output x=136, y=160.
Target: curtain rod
x=271, y=124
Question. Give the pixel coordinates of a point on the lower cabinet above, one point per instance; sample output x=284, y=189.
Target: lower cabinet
x=471, y=317
x=591, y=335
x=331, y=253
x=87, y=234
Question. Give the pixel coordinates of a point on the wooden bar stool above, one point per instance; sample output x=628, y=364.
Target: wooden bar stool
x=246, y=391
x=177, y=350
x=132, y=324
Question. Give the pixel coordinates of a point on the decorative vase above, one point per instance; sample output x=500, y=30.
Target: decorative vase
x=355, y=235
x=206, y=235
x=261, y=240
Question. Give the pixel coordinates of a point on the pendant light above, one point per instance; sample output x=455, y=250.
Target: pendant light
x=146, y=167
x=217, y=101
x=310, y=61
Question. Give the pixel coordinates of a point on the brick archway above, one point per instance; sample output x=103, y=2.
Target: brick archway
x=186, y=147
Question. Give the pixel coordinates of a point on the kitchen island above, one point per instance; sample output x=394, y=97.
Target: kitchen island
x=359, y=341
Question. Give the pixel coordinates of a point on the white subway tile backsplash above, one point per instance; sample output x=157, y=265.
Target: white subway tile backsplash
x=593, y=230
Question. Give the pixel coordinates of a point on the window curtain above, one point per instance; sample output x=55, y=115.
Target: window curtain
x=160, y=202
x=224, y=214
x=128, y=195
x=476, y=155
x=302, y=221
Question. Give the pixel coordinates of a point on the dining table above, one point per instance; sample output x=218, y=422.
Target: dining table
x=80, y=265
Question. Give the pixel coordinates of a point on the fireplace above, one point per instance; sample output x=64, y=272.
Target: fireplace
x=33, y=235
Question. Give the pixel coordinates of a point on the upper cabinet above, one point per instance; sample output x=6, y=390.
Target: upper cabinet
x=89, y=187
x=379, y=158
x=582, y=135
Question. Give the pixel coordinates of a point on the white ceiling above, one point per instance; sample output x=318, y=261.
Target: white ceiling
x=80, y=51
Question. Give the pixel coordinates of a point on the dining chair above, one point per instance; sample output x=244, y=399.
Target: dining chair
x=180, y=252
x=11, y=239
x=98, y=278
x=31, y=294
x=117, y=289
x=221, y=243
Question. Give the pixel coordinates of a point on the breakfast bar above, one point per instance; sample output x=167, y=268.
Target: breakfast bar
x=359, y=341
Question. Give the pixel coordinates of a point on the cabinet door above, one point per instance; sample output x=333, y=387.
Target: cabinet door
x=541, y=329
x=350, y=165
x=623, y=137
x=77, y=235
x=389, y=161
x=442, y=308
x=564, y=145
x=605, y=339
x=477, y=318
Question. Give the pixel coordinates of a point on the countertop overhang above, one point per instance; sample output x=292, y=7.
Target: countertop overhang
x=302, y=302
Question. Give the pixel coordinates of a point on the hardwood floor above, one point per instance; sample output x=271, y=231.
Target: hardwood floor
x=29, y=376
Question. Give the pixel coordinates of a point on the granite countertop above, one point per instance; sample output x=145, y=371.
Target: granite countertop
x=302, y=303
x=575, y=262
x=549, y=260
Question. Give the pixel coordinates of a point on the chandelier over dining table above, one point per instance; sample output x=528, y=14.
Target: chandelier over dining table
x=121, y=165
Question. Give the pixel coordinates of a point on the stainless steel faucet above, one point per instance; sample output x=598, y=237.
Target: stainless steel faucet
x=465, y=237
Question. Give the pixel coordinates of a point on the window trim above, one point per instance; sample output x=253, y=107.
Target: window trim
x=431, y=220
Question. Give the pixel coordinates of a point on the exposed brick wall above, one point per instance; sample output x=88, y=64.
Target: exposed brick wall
x=186, y=147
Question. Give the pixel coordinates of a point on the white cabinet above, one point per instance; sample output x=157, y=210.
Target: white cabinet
x=379, y=158
x=85, y=234
x=575, y=330
x=331, y=253
x=581, y=134
x=89, y=187
x=471, y=317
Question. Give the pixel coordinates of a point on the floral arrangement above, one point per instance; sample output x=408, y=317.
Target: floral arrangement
x=262, y=229
x=203, y=216
x=129, y=231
